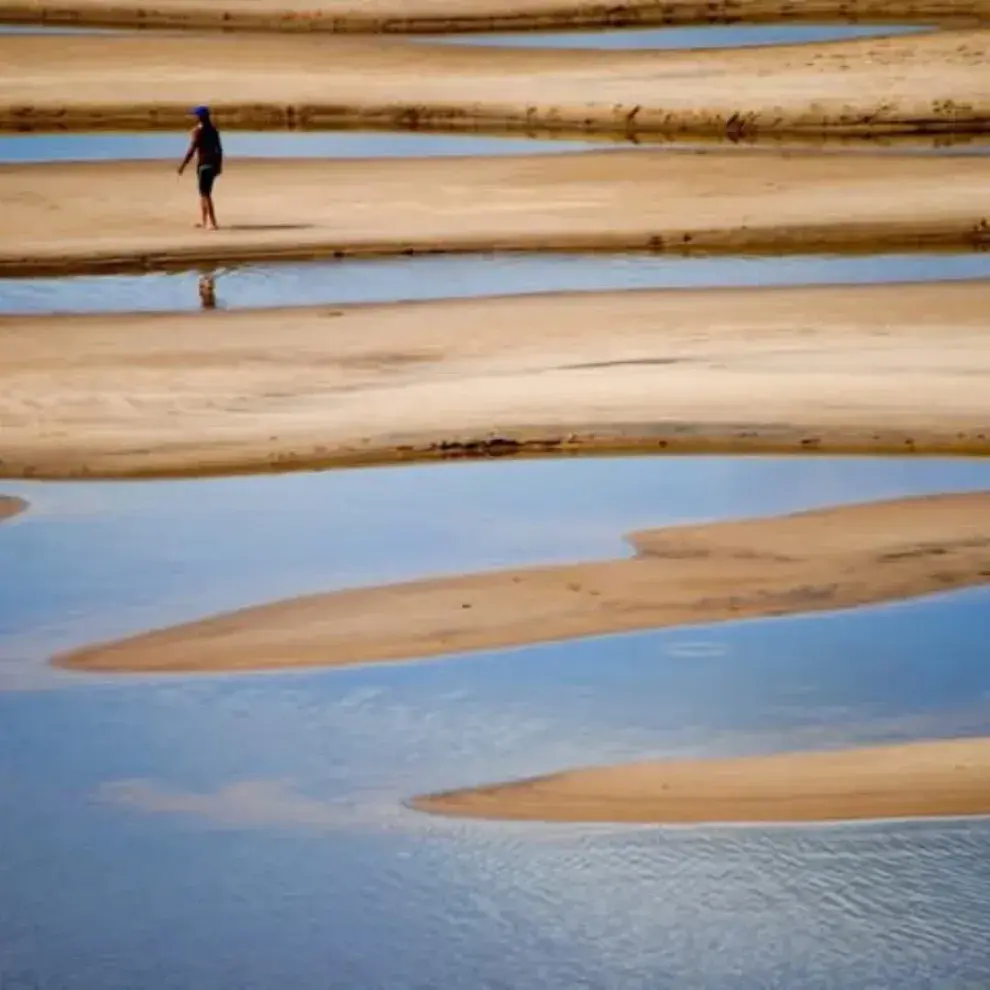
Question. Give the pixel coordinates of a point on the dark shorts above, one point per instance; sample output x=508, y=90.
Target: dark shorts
x=207, y=175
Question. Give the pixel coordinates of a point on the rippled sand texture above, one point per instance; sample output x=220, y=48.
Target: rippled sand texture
x=468, y=15
x=912, y=779
x=901, y=84
x=810, y=561
x=895, y=368
x=101, y=216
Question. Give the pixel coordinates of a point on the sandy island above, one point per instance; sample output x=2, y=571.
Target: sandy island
x=468, y=15
x=950, y=777
x=116, y=216
x=10, y=506
x=870, y=369
x=897, y=84
x=812, y=561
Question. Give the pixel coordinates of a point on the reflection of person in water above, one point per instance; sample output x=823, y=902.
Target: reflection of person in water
x=207, y=292
x=205, y=144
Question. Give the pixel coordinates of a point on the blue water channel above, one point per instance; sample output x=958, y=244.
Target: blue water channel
x=249, y=830
x=465, y=276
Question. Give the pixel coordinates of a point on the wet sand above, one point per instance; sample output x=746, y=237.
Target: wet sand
x=467, y=15
x=900, y=84
x=106, y=216
x=872, y=369
x=950, y=777
x=808, y=562
x=10, y=506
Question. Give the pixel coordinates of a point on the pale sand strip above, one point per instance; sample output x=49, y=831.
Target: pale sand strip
x=813, y=561
x=903, y=84
x=469, y=15
x=950, y=777
x=10, y=506
x=102, y=216
x=897, y=368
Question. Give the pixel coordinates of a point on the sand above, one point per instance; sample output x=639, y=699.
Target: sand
x=10, y=506
x=103, y=217
x=820, y=560
x=944, y=777
x=872, y=369
x=902, y=84
x=468, y=15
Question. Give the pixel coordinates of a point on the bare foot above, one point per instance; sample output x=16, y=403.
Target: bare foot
x=213, y=226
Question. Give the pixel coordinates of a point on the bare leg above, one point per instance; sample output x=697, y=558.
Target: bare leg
x=209, y=214
x=204, y=212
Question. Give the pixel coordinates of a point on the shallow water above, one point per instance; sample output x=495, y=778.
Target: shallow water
x=705, y=36
x=87, y=568
x=248, y=831
x=169, y=145
x=52, y=29
x=132, y=146
x=465, y=276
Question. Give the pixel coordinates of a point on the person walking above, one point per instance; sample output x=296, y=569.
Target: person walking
x=206, y=146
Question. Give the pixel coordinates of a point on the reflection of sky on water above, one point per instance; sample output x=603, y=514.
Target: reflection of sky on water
x=465, y=276
x=169, y=145
x=102, y=559
x=703, y=36
x=247, y=831
x=107, y=146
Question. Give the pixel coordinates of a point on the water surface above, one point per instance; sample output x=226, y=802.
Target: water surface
x=249, y=831
x=704, y=36
x=52, y=29
x=101, y=559
x=134, y=146
x=466, y=276
x=167, y=145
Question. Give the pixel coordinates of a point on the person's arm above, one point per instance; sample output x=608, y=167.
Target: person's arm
x=193, y=145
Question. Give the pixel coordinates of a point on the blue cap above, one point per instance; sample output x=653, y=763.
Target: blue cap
x=201, y=111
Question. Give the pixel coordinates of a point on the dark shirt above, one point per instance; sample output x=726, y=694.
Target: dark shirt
x=209, y=150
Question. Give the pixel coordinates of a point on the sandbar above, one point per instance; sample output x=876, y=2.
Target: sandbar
x=872, y=369
x=902, y=84
x=10, y=506
x=101, y=217
x=812, y=561
x=917, y=779
x=468, y=15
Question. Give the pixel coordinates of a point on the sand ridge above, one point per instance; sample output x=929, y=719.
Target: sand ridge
x=818, y=560
x=104, y=217
x=927, y=778
x=932, y=81
x=468, y=15
x=873, y=369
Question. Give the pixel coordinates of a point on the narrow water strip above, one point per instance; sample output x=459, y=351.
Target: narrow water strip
x=349, y=281
x=684, y=38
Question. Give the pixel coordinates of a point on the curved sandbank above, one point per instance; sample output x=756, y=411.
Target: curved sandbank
x=428, y=16
x=890, y=368
x=902, y=84
x=10, y=506
x=938, y=778
x=806, y=562
x=61, y=218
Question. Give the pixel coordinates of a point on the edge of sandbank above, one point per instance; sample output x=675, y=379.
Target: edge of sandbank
x=829, y=237
x=684, y=575
x=929, y=779
x=540, y=15
x=523, y=443
x=497, y=118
